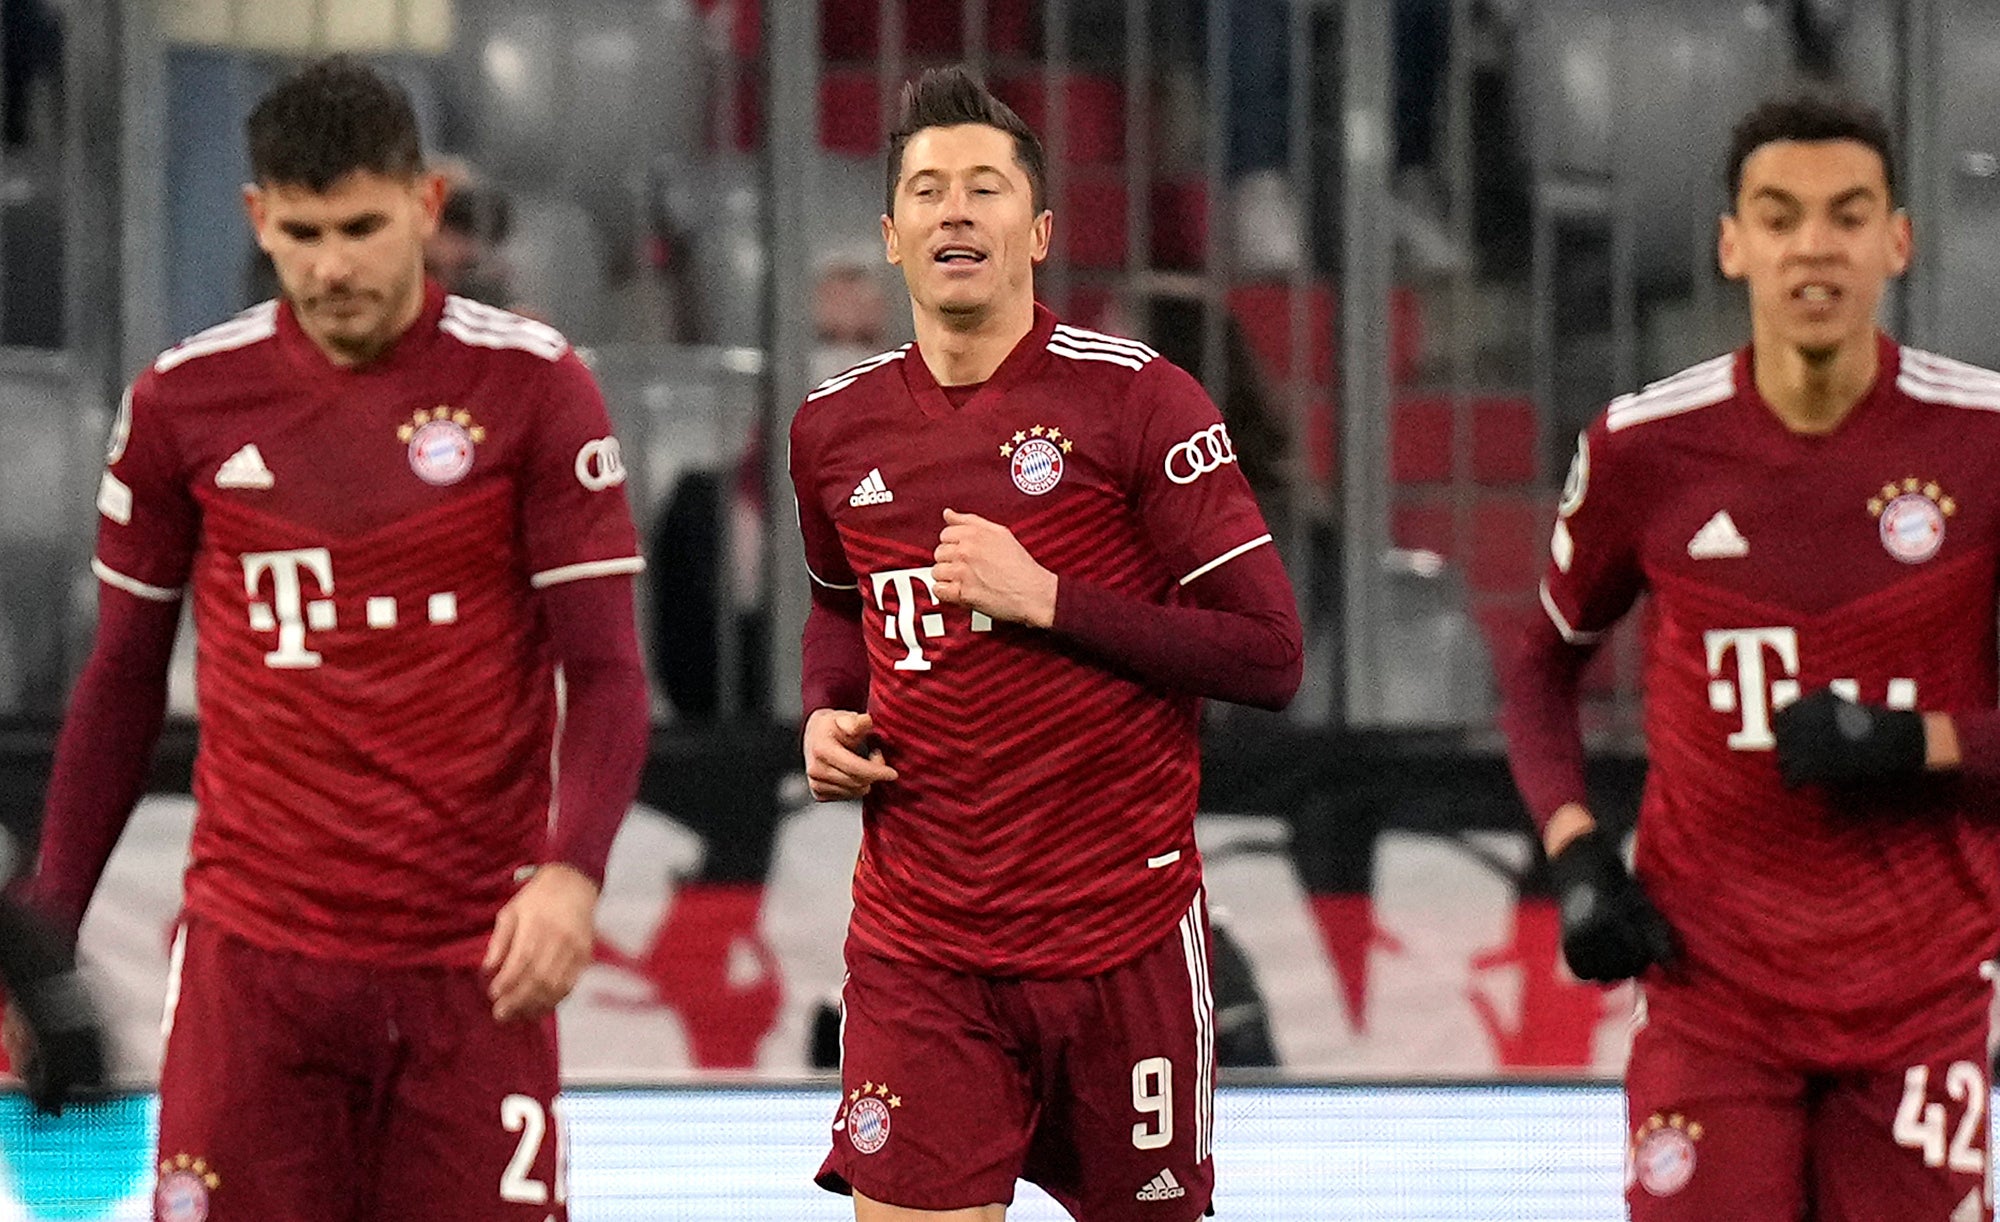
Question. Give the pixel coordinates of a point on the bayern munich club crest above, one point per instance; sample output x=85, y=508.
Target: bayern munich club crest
x=867, y=1118
x=1036, y=456
x=1910, y=518
x=184, y=1185
x=1663, y=1154
x=441, y=443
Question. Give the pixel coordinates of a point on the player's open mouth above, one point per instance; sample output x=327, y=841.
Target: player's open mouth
x=959, y=256
x=1816, y=294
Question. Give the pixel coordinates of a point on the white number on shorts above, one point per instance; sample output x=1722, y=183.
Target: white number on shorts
x=1153, y=1094
x=523, y=1114
x=1920, y=1125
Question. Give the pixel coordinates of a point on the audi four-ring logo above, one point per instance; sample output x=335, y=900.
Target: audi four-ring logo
x=599, y=465
x=1200, y=454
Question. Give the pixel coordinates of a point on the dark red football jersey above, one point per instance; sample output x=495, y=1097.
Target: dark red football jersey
x=1825, y=926
x=1043, y=822
x=375, y=690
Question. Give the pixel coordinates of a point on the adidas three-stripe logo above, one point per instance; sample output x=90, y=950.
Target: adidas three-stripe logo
x=1162, y=1187
x=871, y=491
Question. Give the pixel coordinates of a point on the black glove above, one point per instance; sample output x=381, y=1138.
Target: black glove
x=68, y=1058
x=1826, y=740
x=1610, y=930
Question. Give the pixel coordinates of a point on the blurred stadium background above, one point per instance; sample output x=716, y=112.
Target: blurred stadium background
x=1409, y=245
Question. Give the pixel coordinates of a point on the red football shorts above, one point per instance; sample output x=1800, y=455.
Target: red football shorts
x=1099, y=1089
x=308, y=1090
x=1723, y=1135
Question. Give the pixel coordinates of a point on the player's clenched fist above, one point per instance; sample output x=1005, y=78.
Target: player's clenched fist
x=1827, y=740
x=1610, y=929
x=980, y=564
x=842, y=758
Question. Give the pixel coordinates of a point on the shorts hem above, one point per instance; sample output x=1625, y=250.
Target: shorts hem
x=836, y=1181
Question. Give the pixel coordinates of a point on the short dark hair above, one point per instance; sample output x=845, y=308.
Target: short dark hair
x=1812, y=114
x=951, y=97
x=327, y=120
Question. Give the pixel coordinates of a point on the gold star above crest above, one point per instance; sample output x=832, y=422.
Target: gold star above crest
x=1019, y=437
x=853, y=1095
x=1947, y=506
x=1911, y=484
x=867, y=1088
x=1006, y=451
x=1055, y=434
x=1067, y=444
x=1038, y=430
x=1875, y=506
x=895, y=1101
x=882, y=1089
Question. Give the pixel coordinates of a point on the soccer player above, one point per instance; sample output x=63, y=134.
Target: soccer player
x=1818, y=859
x=399, y=518
x=1032, y=554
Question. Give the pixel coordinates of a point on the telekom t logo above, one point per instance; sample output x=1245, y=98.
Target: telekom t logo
x=292, y=609
x=1757, y=691
x=902, y=622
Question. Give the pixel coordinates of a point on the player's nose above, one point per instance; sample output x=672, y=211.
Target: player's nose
x=1816, y=237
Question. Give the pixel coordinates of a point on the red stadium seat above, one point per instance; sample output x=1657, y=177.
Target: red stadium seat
x=1090, y=220
x=850, y=112
x=1180, y=223
x=1510, y=537
x=1093, y=131
x=1090, y=305
x=1423, y=427
x=1503, y=439
x=1264, y=311
x=851, y=29
x=1423, y=524
x=1420, y=433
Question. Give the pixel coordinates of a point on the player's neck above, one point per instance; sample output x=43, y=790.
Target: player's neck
x=1810, y=392
x=964, y=353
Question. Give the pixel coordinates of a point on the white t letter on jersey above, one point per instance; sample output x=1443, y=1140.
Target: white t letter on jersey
x=903, y=624
x=1750, y=692
x=286, y=600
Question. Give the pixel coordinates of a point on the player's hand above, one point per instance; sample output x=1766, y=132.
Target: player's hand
x=1827, y=740
x=541, y=942
x=1610, y=930
x=54, y=1036
x=842, y=760
x=980, y=564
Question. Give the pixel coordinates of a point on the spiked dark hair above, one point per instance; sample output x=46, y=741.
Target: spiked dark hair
x=1813, y=114
x=951, y=97
x=333, y=117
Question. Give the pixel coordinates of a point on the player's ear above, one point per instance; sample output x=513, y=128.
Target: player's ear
x=254, y=207
x=430, y=189
x=1044, y=229
x=1902, y=242
x=890, y=250
x=1728, y=247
